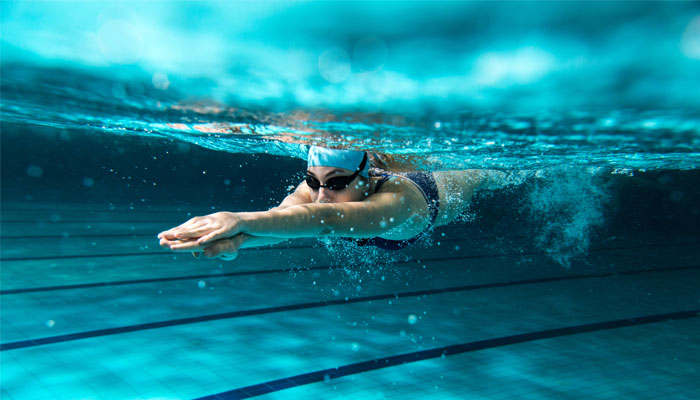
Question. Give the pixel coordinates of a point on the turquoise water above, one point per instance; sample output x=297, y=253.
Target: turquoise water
x=575, y=276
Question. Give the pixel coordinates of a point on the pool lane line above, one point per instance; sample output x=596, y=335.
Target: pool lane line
x=168, y=279
x=86, y=236
x=439, y=352
x=295, y=307
x=257, y=272
x=157, y=253
x=109, y=255
x=89, y=222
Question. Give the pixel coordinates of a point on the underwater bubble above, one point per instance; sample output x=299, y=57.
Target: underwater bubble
x=88, y=182
x=35, y=171
x=202, y=284
x=355, y=346
x=334, y=65
x=690, y=42
x=50, y=323
x=412, y=319
x=160, y=81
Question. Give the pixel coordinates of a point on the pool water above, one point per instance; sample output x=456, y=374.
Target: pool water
x=575, y=277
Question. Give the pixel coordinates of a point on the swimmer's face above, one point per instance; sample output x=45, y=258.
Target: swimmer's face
x=354, y=192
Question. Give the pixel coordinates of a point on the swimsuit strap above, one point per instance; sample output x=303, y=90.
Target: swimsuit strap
x=425, y=182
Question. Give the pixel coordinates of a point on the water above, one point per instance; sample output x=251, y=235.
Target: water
x=526, y=92
x=120, y=120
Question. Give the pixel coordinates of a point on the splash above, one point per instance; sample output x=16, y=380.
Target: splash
x=359, y=264
x=566, y=204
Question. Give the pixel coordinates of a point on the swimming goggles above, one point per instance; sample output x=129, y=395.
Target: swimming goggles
x=338, y=182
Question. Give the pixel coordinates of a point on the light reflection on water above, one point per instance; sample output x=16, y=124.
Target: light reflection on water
x=468, y=85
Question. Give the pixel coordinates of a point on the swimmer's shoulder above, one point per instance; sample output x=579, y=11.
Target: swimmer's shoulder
x=395, y=183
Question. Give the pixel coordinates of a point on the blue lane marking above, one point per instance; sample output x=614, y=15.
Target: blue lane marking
x=151, y=280
x=154, y=280
x=379, y=363
x=293, y=307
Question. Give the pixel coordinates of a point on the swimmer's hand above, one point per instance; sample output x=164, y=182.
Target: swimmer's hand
x=226, y=249
x=203, y=230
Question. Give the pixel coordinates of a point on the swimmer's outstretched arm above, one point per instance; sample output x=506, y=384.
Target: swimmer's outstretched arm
x=378, y=214
x=230, y=246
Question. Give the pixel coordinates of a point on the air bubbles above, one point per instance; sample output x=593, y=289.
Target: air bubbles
x=35, y=171
x=88, y=182
x=160, y=81
x=50, y=323
x=412, y=319
x=227, y=182
x=201, y=284
x=355, y=346
x=334, y=65
x=690, y=42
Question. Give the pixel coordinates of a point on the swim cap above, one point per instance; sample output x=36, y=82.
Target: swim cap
x=346, y=159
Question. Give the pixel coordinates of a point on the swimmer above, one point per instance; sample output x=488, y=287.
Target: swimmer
x=340, y=197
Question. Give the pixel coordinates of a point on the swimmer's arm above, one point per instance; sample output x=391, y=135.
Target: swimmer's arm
x=375, y=216
x=184, y=237
x=299, y=196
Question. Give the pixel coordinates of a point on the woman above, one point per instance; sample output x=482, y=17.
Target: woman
x=340, y=197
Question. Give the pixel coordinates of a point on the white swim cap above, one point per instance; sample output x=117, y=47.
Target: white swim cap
x=346, y=159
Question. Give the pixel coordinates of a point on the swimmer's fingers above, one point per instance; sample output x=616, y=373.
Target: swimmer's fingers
x=214, y=226
x=170, y=244
x=167, y=243
x=213, y=236
x=178, y=231
x=185, y=245
x=226, y=249
x=197, y=232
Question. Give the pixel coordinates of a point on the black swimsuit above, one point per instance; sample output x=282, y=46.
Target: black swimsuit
x=425, y=182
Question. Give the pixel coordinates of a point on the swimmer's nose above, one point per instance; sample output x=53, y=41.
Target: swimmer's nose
x=323, y=196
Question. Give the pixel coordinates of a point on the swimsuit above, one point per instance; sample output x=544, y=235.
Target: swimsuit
x=425, y=182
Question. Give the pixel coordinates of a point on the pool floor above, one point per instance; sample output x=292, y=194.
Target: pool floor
x=93, y=308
